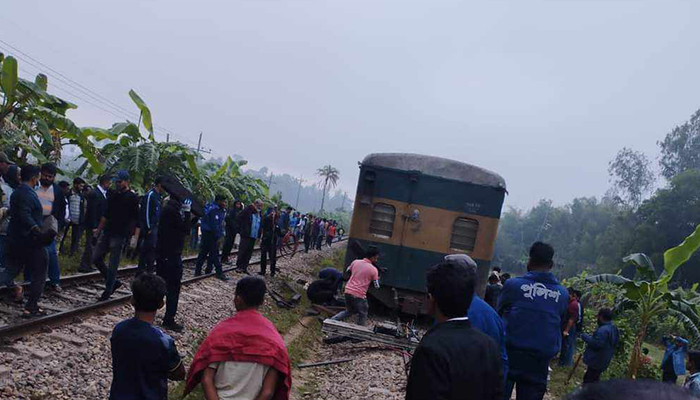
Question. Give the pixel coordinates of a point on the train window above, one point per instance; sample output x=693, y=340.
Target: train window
x=464, y=232
x=382, y=223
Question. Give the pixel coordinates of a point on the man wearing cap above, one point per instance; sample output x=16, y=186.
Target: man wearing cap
x=148, y=221
x=121, y=214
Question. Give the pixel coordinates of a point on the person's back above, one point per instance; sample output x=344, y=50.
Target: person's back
x=485, y=319
x=363, y=274
x=532, y=307
x=142, y=357
x=321, y=291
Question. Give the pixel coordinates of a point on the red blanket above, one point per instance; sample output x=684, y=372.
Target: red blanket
x=245, y=337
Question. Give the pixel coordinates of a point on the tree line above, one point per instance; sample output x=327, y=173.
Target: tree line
x=593, y=235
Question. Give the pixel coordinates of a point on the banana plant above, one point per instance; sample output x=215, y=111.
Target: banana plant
x=649, y=295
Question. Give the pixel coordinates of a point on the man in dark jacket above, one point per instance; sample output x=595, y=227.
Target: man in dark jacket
x=324, y=289
x=174, y=225
x=212, y=231
x=454, y=361
x=27, y=240
x=95, y=210
x=121, y=214
x=76, y=216
x=271, y=232
x=532, y=307
x=250, y=229
x=600, y=347
x=149, y=214
x=231, y=230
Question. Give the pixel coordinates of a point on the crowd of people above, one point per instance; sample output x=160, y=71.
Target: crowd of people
x=38, y=217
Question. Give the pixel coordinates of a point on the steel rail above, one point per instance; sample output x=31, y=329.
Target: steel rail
x=31, y=325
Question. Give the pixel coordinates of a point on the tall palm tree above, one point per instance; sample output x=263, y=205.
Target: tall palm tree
x=329, y=175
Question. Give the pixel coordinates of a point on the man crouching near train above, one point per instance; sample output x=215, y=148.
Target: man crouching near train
x=362, y=273
x=454, y=360
x=244, y=356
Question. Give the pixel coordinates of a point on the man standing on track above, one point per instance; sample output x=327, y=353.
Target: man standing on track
x=268, y=244
x=76, y=216
x=53, y=203
x=212, y=232
x=174, y=225
x=148, y=221
x=249, y=223
x=532, y=307
x=231, y=230
x=96, y=207
x=26, y=241
x=122, y=212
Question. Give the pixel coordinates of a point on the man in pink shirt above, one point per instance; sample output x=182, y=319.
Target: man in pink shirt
x=363, y=273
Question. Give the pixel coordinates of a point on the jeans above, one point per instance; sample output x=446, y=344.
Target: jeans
x=319, y=242
x=245, y=251
x=228, y=243
x=526, y=390
x=268, y=247
x=307, y=242
x=54, y=271
x=194, y=237
x=170, y=269
x=113, y=245
x=34, y=261
x=147, y=255
x=568, y=347
x=209, y=250
x=592, y=375
x=354, y=305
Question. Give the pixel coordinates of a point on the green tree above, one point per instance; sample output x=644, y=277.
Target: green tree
x=329, y=176
x=631, y=176
x=680, y=149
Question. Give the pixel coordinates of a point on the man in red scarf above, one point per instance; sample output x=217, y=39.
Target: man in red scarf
x=243, y=357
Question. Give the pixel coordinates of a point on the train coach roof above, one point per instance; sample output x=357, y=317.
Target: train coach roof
x=436, y=166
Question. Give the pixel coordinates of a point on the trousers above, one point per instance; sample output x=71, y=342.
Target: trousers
x=528, y=373
x=147, y=253
x=54, y=272
x=354, y=305
x=33, y=260
x=592, y=375
x=268, y=248
x=245, y=251
x=113, y=245
x=86, y=259
x=228, y=243
x=209, y=250
x=75, y=232
x=170, y=269
x=568, y=347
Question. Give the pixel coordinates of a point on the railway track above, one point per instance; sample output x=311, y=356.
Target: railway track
x=79, y=298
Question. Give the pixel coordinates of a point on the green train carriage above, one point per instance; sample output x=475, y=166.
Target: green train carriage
x=416, y=209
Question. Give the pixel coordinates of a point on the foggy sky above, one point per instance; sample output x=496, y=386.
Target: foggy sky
x=542, y=92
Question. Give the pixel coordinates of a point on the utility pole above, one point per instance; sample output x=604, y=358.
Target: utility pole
x=167, y=138
x=301, y=180
x=345, y=196
x=199, y=143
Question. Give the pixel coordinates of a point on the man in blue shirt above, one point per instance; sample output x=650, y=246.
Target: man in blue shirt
x=250, y=225
x=600, y=347
x=673, y=363
x=212, y=225
x=149, y=215
x=143, y=357
x=532, y=307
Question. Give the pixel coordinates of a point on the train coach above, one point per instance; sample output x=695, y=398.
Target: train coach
x=416, y=209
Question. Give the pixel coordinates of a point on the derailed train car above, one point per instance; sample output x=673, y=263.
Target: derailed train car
x=416, y=209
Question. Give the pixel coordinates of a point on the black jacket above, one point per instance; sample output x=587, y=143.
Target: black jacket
x=230, y=220
x=455, y=361
x=96, y=206
x=25, y=213
x=173, y=227
x=245, y=219
x=270, y=230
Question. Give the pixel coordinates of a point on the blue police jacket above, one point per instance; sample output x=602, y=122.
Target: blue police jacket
x=149, y=213
x=678, y=354
x=213, y=219
x=532, y=307
x=601, y=346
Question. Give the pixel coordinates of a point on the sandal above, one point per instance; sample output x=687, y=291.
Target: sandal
x=29, y=313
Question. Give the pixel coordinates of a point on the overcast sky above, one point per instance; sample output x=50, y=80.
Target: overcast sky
x=542, y=92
